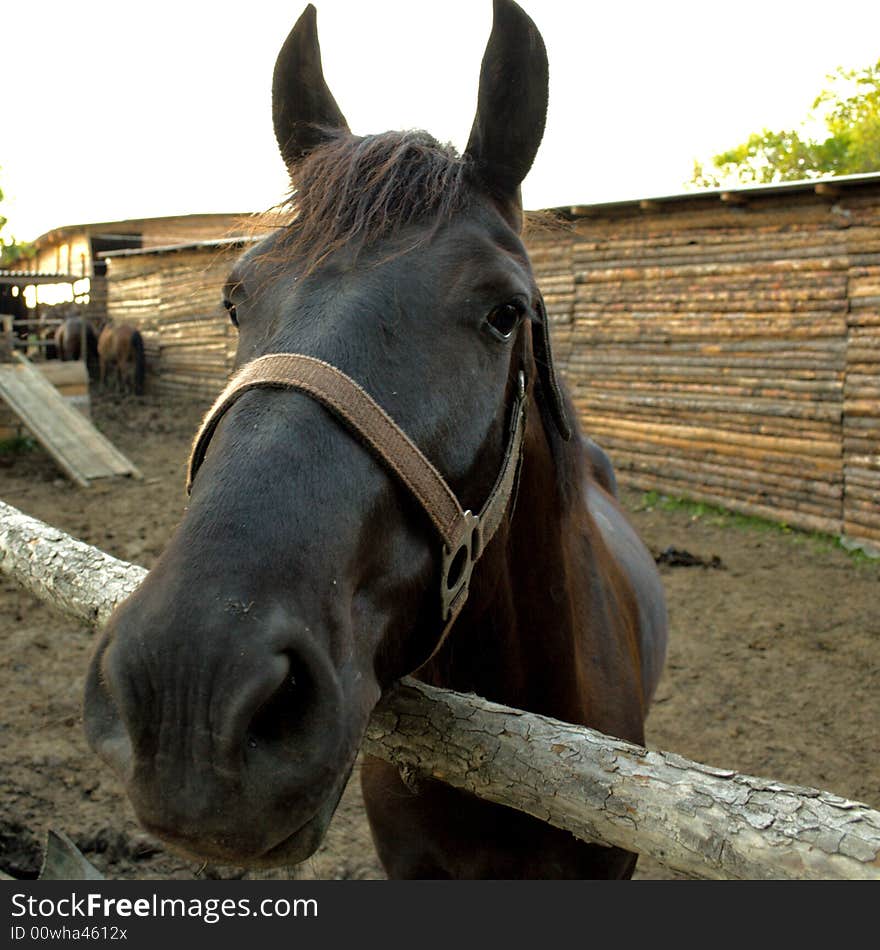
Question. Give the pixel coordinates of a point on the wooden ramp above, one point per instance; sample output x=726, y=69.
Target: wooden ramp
x=82, y=453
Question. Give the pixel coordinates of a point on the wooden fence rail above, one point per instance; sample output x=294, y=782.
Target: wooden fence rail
x=704, y=821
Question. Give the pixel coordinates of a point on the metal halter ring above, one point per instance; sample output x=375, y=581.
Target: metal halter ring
x=458, y=564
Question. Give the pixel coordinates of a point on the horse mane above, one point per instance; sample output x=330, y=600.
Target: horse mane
x=353, y=191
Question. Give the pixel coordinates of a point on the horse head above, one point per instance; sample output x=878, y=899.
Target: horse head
x=231, y=692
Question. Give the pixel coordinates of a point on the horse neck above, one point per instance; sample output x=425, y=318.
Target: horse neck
x=518, y=608
x=550, y=625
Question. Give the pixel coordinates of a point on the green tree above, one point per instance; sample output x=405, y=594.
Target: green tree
x=849, y=109
x=10, y=249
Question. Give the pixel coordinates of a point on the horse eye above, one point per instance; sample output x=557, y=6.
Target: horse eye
x=230, y=309
x=503, y=320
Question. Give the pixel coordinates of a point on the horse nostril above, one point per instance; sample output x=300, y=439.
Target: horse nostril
x=287, y=716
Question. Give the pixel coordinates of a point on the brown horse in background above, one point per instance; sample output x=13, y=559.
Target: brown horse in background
x=69, y=339
x=121, y=351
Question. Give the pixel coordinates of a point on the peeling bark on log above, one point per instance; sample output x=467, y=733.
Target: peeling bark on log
x=72, y=576
x=707, y=822
x=703, y=821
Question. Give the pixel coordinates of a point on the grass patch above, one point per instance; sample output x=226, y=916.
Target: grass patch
x=17, y=445
x=723, y=518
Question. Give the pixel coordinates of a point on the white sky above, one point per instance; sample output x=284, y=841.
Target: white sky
x=115, y=110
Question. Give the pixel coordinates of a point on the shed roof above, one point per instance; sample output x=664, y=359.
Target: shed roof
x=185, y=246
x=26, y=278
x=830, y=186
x=129, y=227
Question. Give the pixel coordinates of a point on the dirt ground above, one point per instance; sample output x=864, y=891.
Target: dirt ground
x=773, y=669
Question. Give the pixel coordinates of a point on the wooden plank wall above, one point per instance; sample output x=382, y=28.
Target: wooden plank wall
x=730, y=354
x=174, y=299
x=861, y=423
x=723, y=353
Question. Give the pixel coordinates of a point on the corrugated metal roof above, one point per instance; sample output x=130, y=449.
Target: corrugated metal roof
x=22, y=278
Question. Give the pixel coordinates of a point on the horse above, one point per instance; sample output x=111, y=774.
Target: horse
x=393, y=483
x=69, y=339
x=50, y=348
x=121, y=350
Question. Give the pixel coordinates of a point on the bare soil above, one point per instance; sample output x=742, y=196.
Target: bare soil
x=773, y=669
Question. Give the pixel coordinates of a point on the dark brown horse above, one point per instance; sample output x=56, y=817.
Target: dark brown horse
x=69, y=342
x=121, y=353
x=395, y=376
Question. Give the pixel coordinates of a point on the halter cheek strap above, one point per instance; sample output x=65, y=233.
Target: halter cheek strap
x=464, y=535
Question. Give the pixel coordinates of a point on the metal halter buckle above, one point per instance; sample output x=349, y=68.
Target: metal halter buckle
x=458, y=565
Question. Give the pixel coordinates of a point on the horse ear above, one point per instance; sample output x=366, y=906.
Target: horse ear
x=304, y=111
x=512, y=102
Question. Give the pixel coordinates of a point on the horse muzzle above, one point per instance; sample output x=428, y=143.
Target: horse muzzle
x=240, y=759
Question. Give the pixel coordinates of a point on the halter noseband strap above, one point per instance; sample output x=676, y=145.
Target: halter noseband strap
x=465, y=535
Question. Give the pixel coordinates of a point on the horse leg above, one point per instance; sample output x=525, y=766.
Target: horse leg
x=434, y=831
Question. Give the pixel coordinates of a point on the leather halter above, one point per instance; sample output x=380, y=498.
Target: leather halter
x=464, y=535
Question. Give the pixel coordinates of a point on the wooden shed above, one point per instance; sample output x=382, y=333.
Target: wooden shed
x=172, y=295
x=78, y=248
x=75, y=253
x=724, y=346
